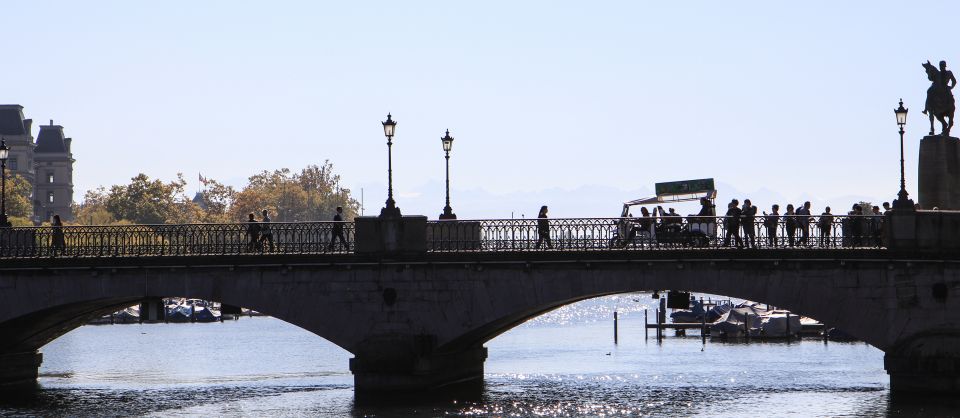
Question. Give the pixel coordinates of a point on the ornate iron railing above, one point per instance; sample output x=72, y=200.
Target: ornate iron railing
x=800, y=232
x=491, y=235
x=188, y=239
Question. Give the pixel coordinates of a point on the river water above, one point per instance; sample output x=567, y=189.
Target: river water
x=561, y=364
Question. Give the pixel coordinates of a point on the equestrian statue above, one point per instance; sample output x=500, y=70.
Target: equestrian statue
x=940, y=103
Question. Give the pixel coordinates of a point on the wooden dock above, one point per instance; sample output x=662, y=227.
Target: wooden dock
x=680, y=328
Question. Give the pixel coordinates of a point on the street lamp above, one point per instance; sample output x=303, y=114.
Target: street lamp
x=4, y=153
x=447, y=146
x=389, y=127
x=902, y=202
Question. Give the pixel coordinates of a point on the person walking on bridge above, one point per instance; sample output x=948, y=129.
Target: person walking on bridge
x=855, y=226
x=543, y=228
x=266, y=234
x=771, y=222
x=876, y=226
x=707, y=209
x=253, y=234
x=732, y=224
x=803, y=223
x=337, y=232
x=749, y=218
x=790, y=221
x=825, y=224
x=59, y=240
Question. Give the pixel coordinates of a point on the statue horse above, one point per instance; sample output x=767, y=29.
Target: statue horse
x=940, y=103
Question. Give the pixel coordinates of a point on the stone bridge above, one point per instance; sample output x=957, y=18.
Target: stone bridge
x=417, y=319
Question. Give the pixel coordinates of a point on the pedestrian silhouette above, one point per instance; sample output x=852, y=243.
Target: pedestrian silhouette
x=790, y=220
x=771, y=223
x=337, y=232
x=543, y=228
x=803, y=223
x=825, y=223
x=876, y=226
x=253, y=234
x=749, y=217
x=856, y=225
x=266, y=232
x=733, y=224
x=59, y=240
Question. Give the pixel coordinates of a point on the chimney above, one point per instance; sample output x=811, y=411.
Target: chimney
x=51, y=122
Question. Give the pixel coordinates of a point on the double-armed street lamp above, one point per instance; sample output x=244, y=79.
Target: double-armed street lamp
x=447, y=146
x=4, y=153
x=391, y=209
x=903, y=202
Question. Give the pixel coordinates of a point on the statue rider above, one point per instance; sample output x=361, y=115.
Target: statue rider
x=940, y=102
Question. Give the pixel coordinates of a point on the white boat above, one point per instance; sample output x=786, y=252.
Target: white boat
x=755, y=320
x=180, y=313
x=780, y=324
x=129, y=315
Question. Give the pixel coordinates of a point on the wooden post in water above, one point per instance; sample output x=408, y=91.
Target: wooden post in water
x=746, y=325
x=614, y=327
x=646, y=330
x=788, y=326
x=659, y=328
x=703, y=328
x=661, y=318
x=656, y=321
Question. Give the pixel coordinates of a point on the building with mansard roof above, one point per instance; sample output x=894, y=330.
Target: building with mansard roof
x=47, y=163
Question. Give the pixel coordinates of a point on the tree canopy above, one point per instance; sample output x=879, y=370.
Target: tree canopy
x=309, y=195
x=19, y=207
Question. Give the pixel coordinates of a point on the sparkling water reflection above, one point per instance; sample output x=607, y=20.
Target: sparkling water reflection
x=561, y=364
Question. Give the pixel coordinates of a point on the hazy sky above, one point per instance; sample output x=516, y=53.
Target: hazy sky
x=580, y=105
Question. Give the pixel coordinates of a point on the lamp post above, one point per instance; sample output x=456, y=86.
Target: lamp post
x=903, y=202
x=389, y=127
x=4, y=153
x=447, y=146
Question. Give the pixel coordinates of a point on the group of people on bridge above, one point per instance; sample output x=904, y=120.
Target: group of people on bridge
x=740, y=225
x=260, y=235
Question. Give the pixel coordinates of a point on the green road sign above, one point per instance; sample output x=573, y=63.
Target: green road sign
x=684, y=187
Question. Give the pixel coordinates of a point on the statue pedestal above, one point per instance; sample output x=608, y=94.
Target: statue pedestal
x=939, y=173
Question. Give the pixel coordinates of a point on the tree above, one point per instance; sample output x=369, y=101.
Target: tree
x=310, y=195
x=215, y=201
x=146, y=201
x=324, y=193
x=18, y=193
x=274, y=191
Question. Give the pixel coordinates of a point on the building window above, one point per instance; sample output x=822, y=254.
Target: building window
x=49, y=197
x=49, y=177
x=12, y=163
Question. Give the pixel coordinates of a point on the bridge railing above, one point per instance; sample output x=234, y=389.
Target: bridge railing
x=186, y=239
x=783, y=231
x=507, y=235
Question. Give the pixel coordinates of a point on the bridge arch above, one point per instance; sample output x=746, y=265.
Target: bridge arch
x=33, y=330
x=814, y=300
x=50, y=303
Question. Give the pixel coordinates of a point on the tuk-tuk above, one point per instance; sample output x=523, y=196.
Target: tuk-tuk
x=696, y=230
